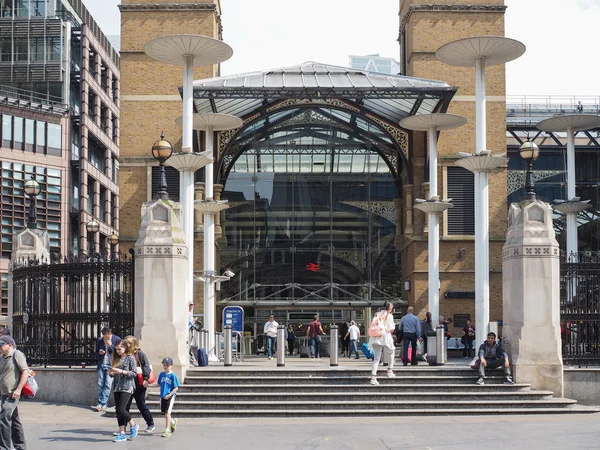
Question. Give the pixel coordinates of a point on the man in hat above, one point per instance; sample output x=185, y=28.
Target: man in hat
x=13, y=376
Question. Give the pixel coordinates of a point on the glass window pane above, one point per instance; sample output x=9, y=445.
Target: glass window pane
x=30, y=131
x=7, y=127
x=41, y=133
x=19, y=129
x=54, y=136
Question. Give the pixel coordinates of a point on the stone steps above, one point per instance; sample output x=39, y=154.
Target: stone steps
x=323, y=392
x=368, y=395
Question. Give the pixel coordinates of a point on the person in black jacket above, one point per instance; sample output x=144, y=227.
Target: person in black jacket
x=140, y=389
x=492, y=355
x=105, y=347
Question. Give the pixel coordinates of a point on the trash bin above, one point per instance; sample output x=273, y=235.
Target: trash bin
x=431, y=348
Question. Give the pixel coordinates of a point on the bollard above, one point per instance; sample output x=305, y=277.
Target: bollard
x=280, y=346
x=202, y=340
x=440, y=345
x=217, y=348
x=431, y=347
x=227, y=356
x=333, y=346
x=205, y=333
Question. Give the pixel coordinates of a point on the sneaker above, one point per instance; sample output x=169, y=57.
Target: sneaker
x=134, y=431
x=166, y=434
x=109, y=409
x=270, y=357
x=357, y=357
x=97, y=408
x=149, y=428
x=480, y=382
x=120, y=438
x=116, y=433
x=391, y=374
x=374, y=381
x=508, y=380
x=173, y=425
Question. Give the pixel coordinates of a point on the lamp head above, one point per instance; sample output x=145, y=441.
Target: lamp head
x=113, y=239
x=32, y=187
x=92, y=226
x=162, y=149
x=529, y=151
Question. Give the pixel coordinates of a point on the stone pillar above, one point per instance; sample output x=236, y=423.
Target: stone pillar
x=531, y=297
x=161, y=260
x=398, y=240
x=408, y=206
x=28, y=245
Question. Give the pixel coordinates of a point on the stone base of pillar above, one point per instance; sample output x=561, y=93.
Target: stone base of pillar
x=541, y=376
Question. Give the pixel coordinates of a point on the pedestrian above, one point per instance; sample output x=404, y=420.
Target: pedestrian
x=270, y=332
x=492, y=355
x=105, y=347
x=344, y=337
x=353, y=336
x=291, y=338
x=411, y=328
x=383, y=343
x=313, y=333
x=143, y=368
x=467, y=339
x=13, y=376
x=169, y=385
x=4, y=332
x=124, y=371
x=426, y=328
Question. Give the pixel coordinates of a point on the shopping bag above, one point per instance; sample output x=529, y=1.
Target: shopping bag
x=31, y=388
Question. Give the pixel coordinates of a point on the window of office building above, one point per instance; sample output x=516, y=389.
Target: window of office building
x=54, y=139
x=21, y=50
x=29, y=135
x=40, y=136
x=36, y=49
x=5, y=50
x=15, y=203
x=4, y=310
x=19, y=132
x=7, y=130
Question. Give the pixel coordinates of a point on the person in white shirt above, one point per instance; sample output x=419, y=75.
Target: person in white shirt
x=381, y=339
x=354, y=334
x=270, y=333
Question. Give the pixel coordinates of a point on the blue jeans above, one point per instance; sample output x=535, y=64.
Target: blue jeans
x=104, y=385
x=315, y=346
x=271, y=344
x=353, y=348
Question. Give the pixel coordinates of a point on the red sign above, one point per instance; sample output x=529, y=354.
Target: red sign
x=313, y=267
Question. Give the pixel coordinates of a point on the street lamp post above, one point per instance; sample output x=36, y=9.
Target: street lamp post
x=433, y=207
x=209, y=123
x=162, y=151
x=32, y=189
x=189, y=51
x=480, y=52
x=572, y=206
x=92, y=228
x=113, y=240
x=529, y=152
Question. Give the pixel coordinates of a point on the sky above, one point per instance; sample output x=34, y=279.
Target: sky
x=560, y=36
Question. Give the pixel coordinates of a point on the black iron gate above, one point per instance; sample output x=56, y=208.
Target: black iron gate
x=60, y=306
x=580, y=310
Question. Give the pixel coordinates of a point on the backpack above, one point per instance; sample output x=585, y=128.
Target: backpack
x=377, y=328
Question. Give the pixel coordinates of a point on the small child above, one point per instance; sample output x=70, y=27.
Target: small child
x=169, y=384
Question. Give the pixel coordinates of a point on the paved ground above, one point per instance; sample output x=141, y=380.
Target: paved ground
x=50, y=427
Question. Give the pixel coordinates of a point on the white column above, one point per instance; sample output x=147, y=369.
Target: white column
x=572, y=239
x=433, y=265
x=482, y=294
x=186, y=179
x=209, y=253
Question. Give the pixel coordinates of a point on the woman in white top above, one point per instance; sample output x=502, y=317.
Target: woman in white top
x=385, y=342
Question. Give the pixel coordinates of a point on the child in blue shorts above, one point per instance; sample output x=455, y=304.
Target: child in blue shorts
x=169, y=384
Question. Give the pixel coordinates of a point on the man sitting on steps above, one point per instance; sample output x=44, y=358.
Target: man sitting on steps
x=492, y=355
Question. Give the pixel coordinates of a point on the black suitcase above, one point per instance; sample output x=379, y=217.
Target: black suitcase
x=304, y=351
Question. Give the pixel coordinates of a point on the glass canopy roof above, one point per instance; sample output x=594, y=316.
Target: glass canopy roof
x=390, y=97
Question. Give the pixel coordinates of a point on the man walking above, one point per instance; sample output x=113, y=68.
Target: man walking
x=270, y=333
x=411, y=328
x=313, y=333
x=105, y=346
x=354, y=334
x=13, y=376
